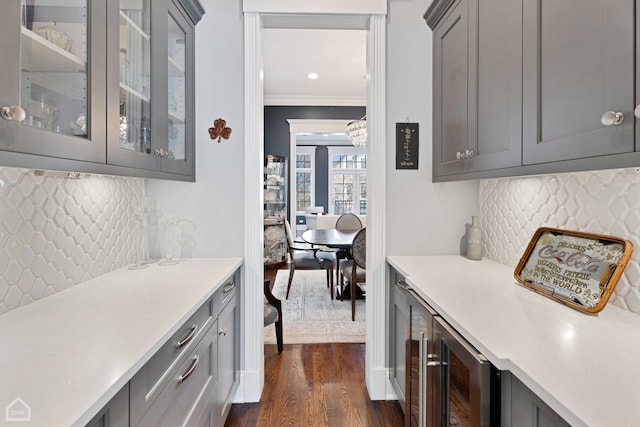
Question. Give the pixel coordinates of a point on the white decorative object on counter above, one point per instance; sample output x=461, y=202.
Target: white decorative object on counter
x=474, y=240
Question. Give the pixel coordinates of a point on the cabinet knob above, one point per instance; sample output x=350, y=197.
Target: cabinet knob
x=466, y=154
x=612, y=118
x=15, y=112
x=636, y=112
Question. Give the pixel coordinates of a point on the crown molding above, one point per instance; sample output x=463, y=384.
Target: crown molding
x=302, y=100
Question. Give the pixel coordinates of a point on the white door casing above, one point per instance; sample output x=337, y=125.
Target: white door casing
x=252, y=345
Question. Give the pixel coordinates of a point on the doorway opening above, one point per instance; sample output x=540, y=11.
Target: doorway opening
x=375, y=25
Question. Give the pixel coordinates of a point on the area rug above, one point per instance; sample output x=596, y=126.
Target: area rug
x=310, y=316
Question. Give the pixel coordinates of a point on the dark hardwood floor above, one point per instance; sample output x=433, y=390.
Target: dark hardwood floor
x=316, y=385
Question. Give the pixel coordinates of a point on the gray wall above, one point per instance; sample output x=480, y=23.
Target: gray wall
x=276, y=138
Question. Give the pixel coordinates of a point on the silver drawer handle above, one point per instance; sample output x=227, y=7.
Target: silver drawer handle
x=436, y=363
x=228, y=288
x=182, y=378
x=188, y=338
x=223, y=332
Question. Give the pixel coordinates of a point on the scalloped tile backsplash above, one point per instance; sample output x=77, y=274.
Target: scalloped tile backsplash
x=606, y=202
x=56, y=232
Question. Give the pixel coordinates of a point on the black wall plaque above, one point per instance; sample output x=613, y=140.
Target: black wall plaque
x=406, y=145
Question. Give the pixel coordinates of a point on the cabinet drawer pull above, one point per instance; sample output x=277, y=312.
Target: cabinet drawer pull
x=228, y=288
x=223, y=332
x=188, y=338
x=403, y=285
x=182, y=378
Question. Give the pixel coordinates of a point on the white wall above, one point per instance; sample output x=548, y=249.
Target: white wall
x=423, y=218
x=215, y=202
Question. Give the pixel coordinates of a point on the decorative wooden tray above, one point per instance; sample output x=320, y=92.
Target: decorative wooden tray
x=578, y=269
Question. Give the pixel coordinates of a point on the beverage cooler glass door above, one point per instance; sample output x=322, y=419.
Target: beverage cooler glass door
x=419, y=359
x=463, y=379
x=53, y=68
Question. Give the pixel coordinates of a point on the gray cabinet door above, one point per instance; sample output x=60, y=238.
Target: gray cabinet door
x=495, y=91
x=228, y=353
x=451, y=90
x=150, y=86
x=53, y=69
x=115, y=413
x=578, y=63
x=398, y=340
x=528, y=410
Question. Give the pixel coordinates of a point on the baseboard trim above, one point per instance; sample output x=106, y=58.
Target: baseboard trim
x=250, y=387
x=379, y=385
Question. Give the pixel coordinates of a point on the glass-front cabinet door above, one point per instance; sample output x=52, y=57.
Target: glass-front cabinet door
x=178, y=153
x=52, y=90
x=131, y=83
x=153, y=62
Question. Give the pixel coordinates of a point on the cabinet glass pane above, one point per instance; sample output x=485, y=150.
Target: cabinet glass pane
x=177, y=90
x=53, y=63
x=459, y=393
x=135, y=75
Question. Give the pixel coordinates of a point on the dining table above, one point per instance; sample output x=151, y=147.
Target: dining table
x=331, y=238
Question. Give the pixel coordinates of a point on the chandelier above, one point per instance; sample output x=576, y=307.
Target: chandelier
x=357, y=132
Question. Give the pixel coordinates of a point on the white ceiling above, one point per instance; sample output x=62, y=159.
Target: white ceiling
x=337, y=56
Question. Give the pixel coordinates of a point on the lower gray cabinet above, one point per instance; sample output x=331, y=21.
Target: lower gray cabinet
x=115, y=413
x=228, y=359
x=192, y=379
x=522, y=408
x=398, y=341
x=189, y=392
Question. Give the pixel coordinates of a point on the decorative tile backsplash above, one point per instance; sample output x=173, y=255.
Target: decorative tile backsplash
x=605, y=202
x=57, y=231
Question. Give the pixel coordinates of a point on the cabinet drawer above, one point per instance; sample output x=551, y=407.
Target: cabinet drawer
x=189, y=389
x=152, y=378
x=226, y=292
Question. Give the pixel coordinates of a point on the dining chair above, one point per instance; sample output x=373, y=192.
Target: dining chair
x=273, y=313
x=345, y=222
x=305, y=258
x=354, y=269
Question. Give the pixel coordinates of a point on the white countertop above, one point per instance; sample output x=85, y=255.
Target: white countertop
x=68, y=354
x=586, y=368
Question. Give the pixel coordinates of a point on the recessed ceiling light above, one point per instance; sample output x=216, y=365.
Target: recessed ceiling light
x=312, y=76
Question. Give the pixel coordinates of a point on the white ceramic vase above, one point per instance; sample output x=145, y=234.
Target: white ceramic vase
x=474, y=240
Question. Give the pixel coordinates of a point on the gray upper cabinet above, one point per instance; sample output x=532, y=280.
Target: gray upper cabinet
x=151, y=91
x=99, y=86
x=578, y=64
x=526, y=87
x=48, y=71
x=451, y=90
x=496, y=98
x=478, y=87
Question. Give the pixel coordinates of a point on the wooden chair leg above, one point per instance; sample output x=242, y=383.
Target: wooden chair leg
x=292, y=269
x=330, y=274
x=353, y=292
x=278, y=325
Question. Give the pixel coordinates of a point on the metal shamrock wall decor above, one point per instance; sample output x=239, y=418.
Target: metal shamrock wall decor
x=219, y=130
